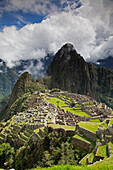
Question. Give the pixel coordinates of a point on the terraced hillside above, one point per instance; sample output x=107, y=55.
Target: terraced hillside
x=62, y=115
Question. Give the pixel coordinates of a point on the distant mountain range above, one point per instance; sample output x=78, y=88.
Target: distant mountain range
x=107, y=63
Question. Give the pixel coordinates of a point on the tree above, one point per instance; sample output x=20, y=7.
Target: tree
x=6, y=155
x=47, y=159
x=67, y=154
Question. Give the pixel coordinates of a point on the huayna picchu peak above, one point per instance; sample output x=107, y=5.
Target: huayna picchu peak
x=70, y=72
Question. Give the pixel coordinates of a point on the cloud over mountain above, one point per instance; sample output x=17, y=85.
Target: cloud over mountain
x=87, y=24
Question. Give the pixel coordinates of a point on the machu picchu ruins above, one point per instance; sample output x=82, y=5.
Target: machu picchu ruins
x=88, y=122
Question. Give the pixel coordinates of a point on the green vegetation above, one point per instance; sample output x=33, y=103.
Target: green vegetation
x=91, y=157
x=102, y=151
x=55, y=150
x=81, y=138
x=62, y=104
x=55, y=126
x=110, y=144
x=6, y=155
x=22, y=90
x=106, y=164
x=7, y=81
x=55, y=90
x=4, y=101
x=91, y=126
x=94, y=120
x=88, y=104
x=111, y=122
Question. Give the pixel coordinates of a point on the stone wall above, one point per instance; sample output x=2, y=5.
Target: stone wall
x=42, y=133
x=110, y=130
x=23, y=137
x=1, y=140
x=66, y=133
x=34, y=126
x=87, y=133
x=81, y=144
x=35, y=138
x=26, y=133
x=19, y=142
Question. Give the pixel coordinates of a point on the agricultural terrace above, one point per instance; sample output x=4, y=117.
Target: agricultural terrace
x=55, y=126
x=102, y=151
x=91, y=126
x=81, y=138
x=66, y=106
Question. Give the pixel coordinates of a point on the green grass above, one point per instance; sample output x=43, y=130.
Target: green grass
x=111, y=122
x=91, y=126
x=111, y=148
x=1, y=137
x=40, y=135
x=55, y=126
x=36, y=131
x=91, y=157
x=21, y=138
x=24, y=135
x=88, y=104
x=83, y=160
x=63, y=105
x=94, y=120
x=103, y=125
x=77, y=106
x=81, y=138
x=106, y=164
x=101, y=151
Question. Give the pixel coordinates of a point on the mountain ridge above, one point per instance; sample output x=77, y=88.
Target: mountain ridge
x=70, y=72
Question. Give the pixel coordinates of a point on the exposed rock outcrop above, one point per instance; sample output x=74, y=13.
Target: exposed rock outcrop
x=69, y=71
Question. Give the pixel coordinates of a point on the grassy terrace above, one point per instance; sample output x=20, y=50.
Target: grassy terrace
x=103, y=126
x=94, y=120
x=88, y=104
x=91, y=157
x=37, y=130
x=106, y=164
x=111, y=148
x=111, y=122
x=83, y=160
x=101, y=151
x=81, y=138
x=66, y=107
x=92, y=126
x=62, y=126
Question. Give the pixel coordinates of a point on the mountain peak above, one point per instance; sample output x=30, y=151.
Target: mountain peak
x=66, y=49
x=68, y=46
x=21, y=87
x=66, y=53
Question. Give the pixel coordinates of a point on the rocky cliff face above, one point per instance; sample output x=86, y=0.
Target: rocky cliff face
x=69, y=71
x=21, y=87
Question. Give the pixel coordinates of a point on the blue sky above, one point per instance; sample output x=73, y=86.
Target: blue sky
x=29, y=29
x=13, y=13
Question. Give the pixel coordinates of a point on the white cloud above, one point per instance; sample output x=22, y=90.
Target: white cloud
x=36, y=40
x=36, y=70
x=34, y=6
x=89, y=28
